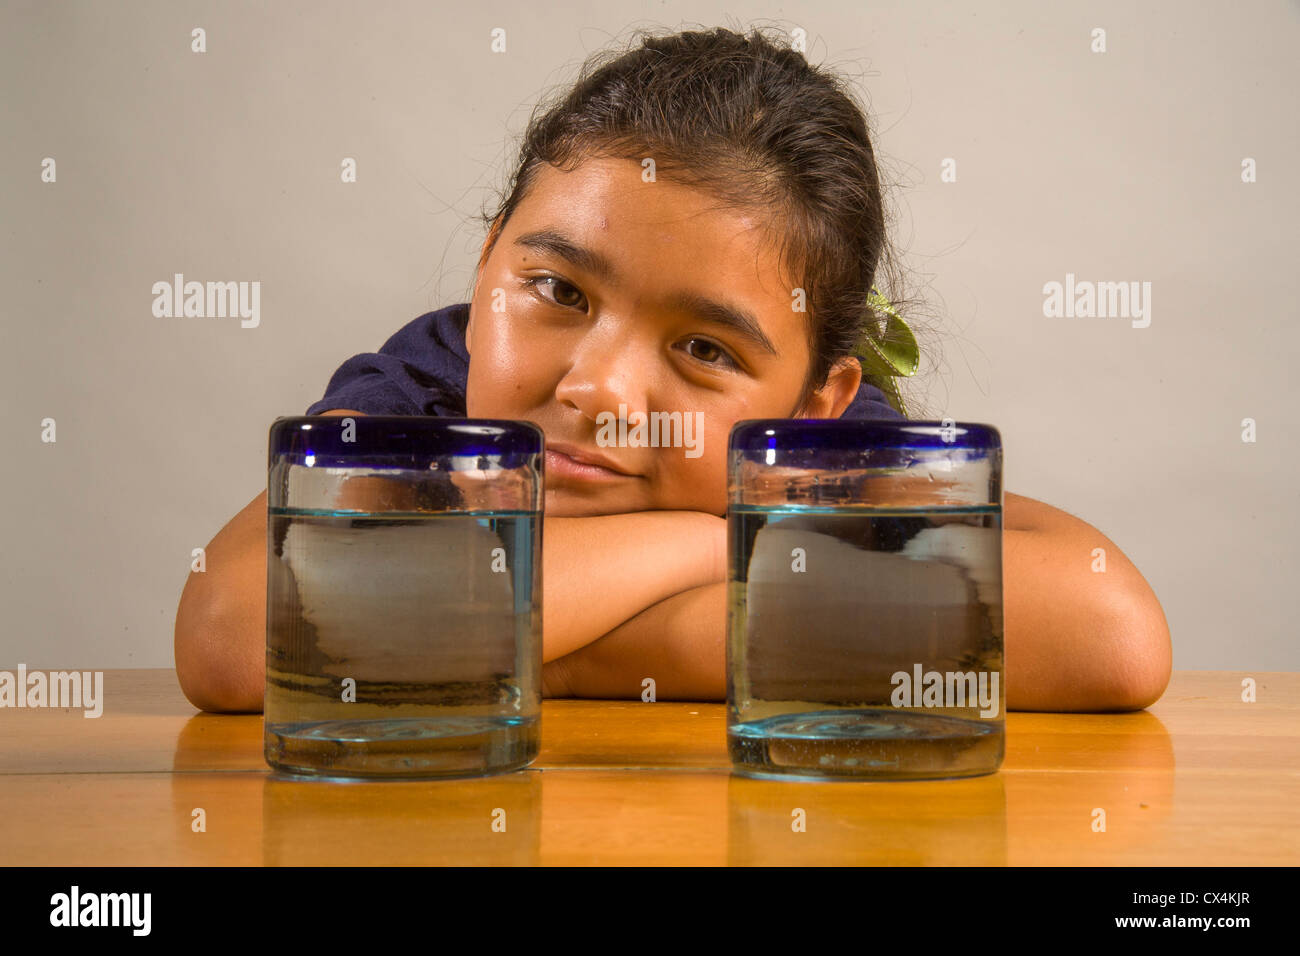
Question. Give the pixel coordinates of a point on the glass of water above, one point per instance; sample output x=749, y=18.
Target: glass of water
x=403, y=613
x=864, y=634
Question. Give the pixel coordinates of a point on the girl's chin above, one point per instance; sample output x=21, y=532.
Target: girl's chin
x=564, y=502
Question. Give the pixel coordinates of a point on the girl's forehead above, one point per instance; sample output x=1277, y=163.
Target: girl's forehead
x=660, y=245
x=607, y=205
x=603, y=191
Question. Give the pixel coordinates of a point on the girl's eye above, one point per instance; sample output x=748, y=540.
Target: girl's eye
x=712, y=352
x=565, y=291
x=570, y=297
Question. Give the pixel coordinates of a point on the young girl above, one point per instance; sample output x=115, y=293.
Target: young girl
x=697, y=228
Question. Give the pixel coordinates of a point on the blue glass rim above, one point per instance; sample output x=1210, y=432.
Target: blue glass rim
x=755, y=436
x=394, y=439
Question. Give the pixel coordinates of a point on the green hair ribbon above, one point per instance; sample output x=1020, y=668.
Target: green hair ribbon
x=888, y=356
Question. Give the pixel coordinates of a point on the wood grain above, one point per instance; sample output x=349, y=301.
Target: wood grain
x=1200, y=778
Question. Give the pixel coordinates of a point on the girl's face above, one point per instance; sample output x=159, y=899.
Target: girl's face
x=607, y=297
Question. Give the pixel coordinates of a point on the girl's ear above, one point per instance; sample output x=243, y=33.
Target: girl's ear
x=838, y=393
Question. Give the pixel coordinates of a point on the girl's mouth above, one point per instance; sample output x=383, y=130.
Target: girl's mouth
x=562, y=466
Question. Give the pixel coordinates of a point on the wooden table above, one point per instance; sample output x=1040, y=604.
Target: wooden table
x=1202, y=778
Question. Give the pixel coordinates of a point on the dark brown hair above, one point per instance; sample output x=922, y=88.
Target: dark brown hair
x=749, y=120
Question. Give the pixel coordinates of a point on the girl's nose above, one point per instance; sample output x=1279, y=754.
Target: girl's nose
x=605, y=372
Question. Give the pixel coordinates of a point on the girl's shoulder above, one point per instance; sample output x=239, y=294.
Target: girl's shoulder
x=422, y=369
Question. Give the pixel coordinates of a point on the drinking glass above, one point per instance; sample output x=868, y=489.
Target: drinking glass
x=403, y=627
x=864, y=633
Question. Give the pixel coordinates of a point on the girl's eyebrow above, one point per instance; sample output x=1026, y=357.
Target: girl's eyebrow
x=550, y=242
x=737, y=318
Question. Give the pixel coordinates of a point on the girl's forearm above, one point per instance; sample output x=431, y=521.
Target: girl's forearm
x=1079, y=639
x=678, y=642
x=1075, y=639
x=599, y=571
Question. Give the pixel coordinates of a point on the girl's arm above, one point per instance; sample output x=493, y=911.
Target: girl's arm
x=599, y=571
x=1075, y=639
x=596, y=573
x=679, y=642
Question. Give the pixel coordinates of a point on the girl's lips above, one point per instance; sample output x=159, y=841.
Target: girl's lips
x=562, y=466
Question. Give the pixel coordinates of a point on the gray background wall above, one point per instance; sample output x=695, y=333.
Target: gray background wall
x=1115, y=166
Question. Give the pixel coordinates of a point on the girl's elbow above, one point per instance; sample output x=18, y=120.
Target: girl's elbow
x=212, y=674
x=1141, y=650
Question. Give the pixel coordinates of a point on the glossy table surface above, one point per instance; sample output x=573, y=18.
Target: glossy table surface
x=1201, y=778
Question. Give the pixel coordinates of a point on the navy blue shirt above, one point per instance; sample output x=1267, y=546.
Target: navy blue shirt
x=423, y=368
